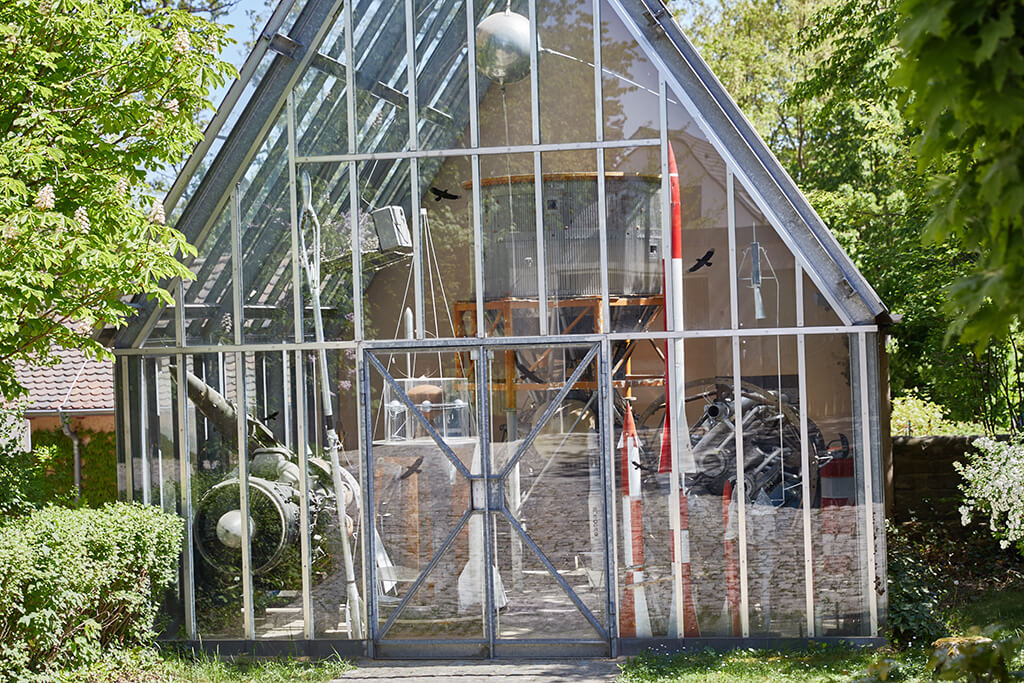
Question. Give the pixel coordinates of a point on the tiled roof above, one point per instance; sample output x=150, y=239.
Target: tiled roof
x=75, y=383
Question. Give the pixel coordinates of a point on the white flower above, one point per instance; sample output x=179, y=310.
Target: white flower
x=172, y=106
x=44, y=7
x=82, y=218
x=156, y=213
x=45, y=198
x=182, y=42
x=121, y=189
x=158, y=120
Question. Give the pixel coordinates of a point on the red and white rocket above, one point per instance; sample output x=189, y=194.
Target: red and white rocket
x=634, y=618
x=684, y=462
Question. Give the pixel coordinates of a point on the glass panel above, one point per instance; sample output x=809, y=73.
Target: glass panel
x=442, y=86
x=331, y=581
x=266, y=242
x=838, y=542
x=382, y=96
x=704, y=224
x=446, y=222
x=216, y=522
x=321, y=106
x=572, y=244
x=209, y=315
x=709, y=516
x=765, y=269
x=629, y=82
x=509, y=226
x=817, y=310
x=420, y=495
x=505, y=109
x=274, y=500
x=641, y=493
x=161, y=429
x=773, y=478
x=387, y=278
x=554, y=490
x=633, y=201
x=565, y=65
x=330, y=259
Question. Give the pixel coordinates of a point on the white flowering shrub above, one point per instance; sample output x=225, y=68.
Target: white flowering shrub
x=993, y=487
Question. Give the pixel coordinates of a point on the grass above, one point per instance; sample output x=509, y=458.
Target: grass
x=146, y=665
x=818, y=664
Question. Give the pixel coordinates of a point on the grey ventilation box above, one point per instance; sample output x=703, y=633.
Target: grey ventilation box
x=392, y=228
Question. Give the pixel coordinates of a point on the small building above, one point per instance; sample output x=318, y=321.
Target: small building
x=508, y=337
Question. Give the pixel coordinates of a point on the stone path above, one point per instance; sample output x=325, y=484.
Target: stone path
x=464, y=671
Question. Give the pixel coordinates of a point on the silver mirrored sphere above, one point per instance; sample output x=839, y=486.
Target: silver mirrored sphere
x=503, y=47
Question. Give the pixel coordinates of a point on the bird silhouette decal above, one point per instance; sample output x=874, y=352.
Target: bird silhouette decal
x=440, y=194
x=411, y=469
x=704, y=260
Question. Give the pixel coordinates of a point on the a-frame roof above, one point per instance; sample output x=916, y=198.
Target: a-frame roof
x=303, y=43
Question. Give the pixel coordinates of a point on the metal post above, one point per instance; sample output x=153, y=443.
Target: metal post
x=483, y=381
x=184, y=474
x=869, y=499
x=242, y=435
x=297, y=310
x=741, y=489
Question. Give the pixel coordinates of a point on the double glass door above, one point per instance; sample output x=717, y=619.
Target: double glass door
x=490, y=500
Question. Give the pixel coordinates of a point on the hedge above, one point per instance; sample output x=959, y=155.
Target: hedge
x=75, y=582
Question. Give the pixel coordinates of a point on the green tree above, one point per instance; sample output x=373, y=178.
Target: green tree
x=94, y=95
x=813, y=77
x=962, y=71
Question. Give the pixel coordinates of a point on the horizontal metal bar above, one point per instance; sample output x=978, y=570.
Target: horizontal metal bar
x=744, y=332
x=436, y=641
x=548, y=641
x=433, y=344
x=506, y=149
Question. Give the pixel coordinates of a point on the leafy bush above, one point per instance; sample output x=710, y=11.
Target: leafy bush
x=913, y=415
x=99, y=464
x=993, y=487
x=974, y=657
x=73, y=582
x=916, y=592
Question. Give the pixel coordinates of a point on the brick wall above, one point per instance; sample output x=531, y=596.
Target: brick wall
x=925, y=483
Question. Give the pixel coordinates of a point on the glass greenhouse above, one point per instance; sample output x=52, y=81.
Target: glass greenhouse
x=508, y=336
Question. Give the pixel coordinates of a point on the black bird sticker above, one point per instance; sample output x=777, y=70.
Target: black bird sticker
x=271, y=416
x=704, y=260
x=640, y=467
x=411, y=469
x=440, y=194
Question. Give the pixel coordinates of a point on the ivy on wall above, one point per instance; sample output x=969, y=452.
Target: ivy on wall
x=99, y=465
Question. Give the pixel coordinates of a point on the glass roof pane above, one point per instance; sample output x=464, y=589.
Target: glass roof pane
x=442, y=80
x=321, y=98
x=381, y=73
x=208, y=310
x=266, y=242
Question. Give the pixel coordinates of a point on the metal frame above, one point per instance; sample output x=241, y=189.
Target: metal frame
x=682, y=75
x=493, y=506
